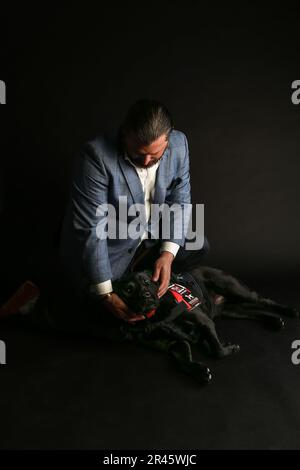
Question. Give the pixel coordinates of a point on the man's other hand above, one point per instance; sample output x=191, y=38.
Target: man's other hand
x=162, y=271
x=117, y=307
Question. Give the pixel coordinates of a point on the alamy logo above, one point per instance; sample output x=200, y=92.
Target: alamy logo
x=296, y=354
x=2, y=352
x=296, y=94
x=2, y=92
x=166, y=221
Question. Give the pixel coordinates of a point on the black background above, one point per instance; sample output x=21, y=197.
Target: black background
x=224, y=72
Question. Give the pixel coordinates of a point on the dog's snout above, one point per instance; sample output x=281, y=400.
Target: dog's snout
x=144, y=293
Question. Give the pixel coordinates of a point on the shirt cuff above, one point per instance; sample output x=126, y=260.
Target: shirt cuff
x=102, y=288
x=171, y=247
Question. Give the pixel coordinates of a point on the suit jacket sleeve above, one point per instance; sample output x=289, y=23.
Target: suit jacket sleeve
x=89, y=191
x=180, y=194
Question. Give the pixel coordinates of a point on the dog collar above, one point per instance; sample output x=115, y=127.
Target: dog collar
x=151, y=313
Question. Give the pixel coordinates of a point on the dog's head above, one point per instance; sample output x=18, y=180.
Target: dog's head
x=138, y=291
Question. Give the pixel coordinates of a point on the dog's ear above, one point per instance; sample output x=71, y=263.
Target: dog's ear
x=149, y=273
x=117, y=283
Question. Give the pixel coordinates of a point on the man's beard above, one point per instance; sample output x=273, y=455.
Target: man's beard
x=145, y=166
x=140, y=165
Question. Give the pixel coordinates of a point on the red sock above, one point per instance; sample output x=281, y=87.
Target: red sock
x=21, y=301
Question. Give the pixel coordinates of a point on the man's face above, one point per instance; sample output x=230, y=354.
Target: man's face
x=145, y=156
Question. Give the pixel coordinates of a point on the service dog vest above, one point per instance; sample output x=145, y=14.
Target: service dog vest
x=184, y=294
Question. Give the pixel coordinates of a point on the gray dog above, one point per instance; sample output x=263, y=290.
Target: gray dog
x=185, y=314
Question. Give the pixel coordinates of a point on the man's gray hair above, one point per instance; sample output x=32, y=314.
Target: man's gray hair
x=147, y=120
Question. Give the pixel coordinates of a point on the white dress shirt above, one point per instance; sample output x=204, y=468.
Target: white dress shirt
x=147, y=177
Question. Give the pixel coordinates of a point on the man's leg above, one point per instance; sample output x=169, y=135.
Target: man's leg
x=188, y=259
x=147, y=254
x=72, y=312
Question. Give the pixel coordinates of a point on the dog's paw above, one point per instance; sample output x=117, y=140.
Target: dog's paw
x=227, y=349
x=292, y=312
x=276, y=323
x=280, y=323
x=273, y=322
x=200, y=372
x=234, y=348
x=197, y=371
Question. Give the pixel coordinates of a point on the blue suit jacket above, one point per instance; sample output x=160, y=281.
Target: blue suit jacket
x=101, y=175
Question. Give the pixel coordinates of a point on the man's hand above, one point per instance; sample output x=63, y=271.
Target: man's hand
x=118, y=308
x=162, y=271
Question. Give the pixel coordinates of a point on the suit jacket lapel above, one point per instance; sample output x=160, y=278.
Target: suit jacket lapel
x=135, y=185
x=161, y=178
x=133, y=180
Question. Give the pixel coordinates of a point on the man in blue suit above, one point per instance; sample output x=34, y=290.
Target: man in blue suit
x=145, y=162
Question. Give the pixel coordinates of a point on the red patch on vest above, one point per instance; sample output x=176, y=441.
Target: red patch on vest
x=183, y=294
x=180, y=294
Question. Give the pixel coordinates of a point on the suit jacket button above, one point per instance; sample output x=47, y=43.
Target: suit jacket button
x=130, y=250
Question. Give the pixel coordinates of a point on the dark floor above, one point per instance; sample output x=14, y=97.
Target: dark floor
x=59, y=391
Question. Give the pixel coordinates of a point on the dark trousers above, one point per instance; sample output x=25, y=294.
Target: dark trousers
x=147, y=253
